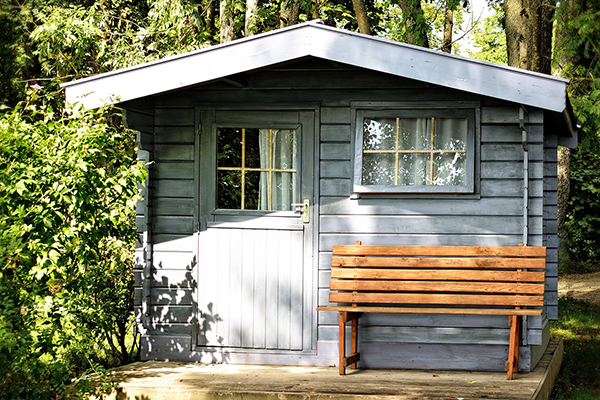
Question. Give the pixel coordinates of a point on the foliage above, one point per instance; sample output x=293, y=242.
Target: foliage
x=583, y=214
x=490, y=39
x=578, y=326
x=393, y=24
x=67, y=232
x=578, y=58
x=81, y=41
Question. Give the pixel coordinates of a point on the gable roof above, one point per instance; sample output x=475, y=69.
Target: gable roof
x=318, y=40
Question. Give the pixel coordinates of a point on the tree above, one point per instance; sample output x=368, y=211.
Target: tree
x=226, y=21
x=360, y=10
x=528, y=26
x=576, y=57
x=416, y=27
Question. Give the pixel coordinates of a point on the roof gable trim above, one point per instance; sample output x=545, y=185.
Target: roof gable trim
x=317, y=40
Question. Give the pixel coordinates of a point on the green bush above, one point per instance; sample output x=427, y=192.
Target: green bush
x=68, y=189
x=583, y=213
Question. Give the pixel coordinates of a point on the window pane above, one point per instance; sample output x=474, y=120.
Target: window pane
x=252, y=191
x=450, y=169
x=284, y=191
x=450, y=134
x=229, y=190
x=413, y=169
x=378, y=169
x=284, y=149
x=252, y=146
x=229, y=147
x=415, y=133
x=379, y=134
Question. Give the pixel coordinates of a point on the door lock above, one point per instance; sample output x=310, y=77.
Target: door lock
x=304, y=207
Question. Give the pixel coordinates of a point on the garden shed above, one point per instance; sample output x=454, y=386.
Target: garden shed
x=267, y=151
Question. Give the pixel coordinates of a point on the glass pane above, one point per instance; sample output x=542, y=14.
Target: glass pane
x=284, y=191
x=415, y=133
x=229, y=147
x=252, y=191
x=252, y=146
x=379, y=134
x=413, y=169
x=378, y=169
x=284, y=149
x=229, y=190
x=450, y=134
x=450, y=169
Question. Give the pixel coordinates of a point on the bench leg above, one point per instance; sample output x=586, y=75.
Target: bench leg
x=512, y=363
x=342, y=344
x=354, y=357
x=354, y=341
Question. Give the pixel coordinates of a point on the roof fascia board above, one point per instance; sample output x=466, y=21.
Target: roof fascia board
x=315, y=39
x=506, y=83
x=198, y=67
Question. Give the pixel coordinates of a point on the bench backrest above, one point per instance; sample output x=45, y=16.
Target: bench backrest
x=438, y=275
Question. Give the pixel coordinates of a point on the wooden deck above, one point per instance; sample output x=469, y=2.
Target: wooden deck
x=154, y=380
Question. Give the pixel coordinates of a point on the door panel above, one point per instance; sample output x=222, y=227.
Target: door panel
x=255, y=266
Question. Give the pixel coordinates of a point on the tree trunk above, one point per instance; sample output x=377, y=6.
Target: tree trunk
x=226, y=31
x=529, y=33
x=415, y=23
x=448, y=26
x=250, y=23
x=361, y=17
x=289, y=13
x=210, y=16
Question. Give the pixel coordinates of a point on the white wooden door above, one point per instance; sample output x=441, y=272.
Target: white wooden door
x=255, y=247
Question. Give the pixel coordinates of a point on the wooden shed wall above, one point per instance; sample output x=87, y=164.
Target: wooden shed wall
x=492, y=217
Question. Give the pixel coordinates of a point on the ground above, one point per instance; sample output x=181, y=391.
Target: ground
x=584, y=287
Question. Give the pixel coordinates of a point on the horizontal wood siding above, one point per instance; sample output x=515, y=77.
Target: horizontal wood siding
x=492, y=216
x=551, y=223
x=173, y=280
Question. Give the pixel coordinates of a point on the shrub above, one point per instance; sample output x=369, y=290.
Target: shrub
x=68, y=189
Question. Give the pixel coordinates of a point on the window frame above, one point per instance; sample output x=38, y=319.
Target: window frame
x=243, y=169
x=253, y=125
x=468, y=112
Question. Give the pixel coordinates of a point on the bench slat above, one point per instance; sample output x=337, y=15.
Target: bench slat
x=433, y=310
x=450, y=251
x=441, y=275
x=408, y=262
x=437, y=286
x=424, y=298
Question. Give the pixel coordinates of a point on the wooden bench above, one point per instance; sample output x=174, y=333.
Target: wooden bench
x=435, y=280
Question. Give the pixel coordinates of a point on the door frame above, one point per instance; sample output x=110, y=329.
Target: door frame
x=205, y=119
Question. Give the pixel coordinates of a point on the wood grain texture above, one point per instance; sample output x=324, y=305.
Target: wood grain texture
x=448, y=251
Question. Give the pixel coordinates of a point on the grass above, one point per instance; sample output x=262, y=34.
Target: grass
x=579, y=326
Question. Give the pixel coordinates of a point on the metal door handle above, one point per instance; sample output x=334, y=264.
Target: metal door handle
x=305, y=208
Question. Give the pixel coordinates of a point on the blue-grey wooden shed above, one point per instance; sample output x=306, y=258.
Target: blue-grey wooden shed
x=267, y=151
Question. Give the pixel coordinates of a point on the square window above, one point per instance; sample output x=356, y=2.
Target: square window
x=256, y=169
x=407, y=151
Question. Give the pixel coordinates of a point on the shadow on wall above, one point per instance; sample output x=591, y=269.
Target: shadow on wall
x=169, y=326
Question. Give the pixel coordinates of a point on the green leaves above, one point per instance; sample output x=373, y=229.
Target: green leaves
x=67, y=234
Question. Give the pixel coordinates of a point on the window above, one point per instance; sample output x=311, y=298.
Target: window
x=403, y=151
x=256, y=169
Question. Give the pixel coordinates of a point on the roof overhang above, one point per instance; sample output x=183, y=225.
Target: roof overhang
x=313, y=39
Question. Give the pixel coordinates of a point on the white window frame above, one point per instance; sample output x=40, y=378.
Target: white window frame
x=468, y=112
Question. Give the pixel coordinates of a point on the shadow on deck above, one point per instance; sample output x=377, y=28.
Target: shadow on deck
x=155, y=380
